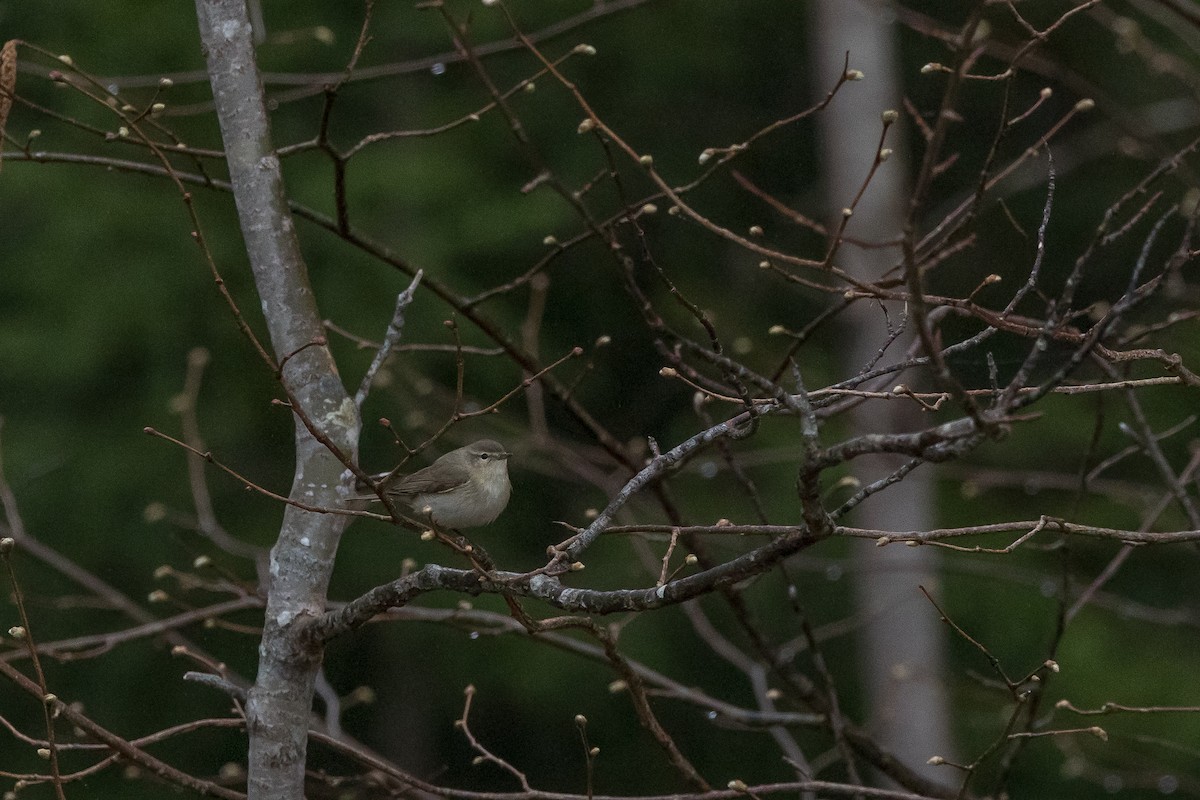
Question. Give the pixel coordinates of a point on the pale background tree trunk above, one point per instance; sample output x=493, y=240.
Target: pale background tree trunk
x=902, y=641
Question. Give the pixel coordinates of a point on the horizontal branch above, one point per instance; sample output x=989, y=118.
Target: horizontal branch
x=885, y=537
x=1048, y=523
x=936, y=444
x=550, y=590
x=789, y=540
x=64, y=648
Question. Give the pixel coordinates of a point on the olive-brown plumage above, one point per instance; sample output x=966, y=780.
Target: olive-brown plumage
x=465, y=488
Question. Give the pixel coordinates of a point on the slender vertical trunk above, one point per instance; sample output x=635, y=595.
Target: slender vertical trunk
x=279, y=704
x=903, y=645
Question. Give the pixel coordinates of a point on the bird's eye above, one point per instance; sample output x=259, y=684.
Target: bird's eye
x=483, y=456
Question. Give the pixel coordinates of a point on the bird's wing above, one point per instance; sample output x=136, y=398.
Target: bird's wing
x=424, y=482
x=420, y=482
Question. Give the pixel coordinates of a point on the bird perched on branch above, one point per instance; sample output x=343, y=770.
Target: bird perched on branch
x=465, y=488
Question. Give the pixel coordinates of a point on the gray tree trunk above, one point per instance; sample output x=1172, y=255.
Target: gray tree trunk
x=279, y=704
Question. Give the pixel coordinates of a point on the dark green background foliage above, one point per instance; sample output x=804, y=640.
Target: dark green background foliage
x=103, y=294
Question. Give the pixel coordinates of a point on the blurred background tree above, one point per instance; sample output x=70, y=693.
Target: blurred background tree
x=110, y=322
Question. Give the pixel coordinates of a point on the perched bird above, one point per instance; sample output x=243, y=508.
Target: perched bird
x=465, y=488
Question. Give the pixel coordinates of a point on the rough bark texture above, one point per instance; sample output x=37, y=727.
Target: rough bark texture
x=302, y=559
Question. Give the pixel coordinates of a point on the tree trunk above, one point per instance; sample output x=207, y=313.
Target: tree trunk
x=279, y=706
x=902, y=641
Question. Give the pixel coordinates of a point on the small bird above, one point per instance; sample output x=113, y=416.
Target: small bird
x=465, y=488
